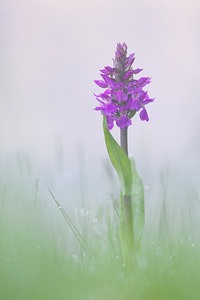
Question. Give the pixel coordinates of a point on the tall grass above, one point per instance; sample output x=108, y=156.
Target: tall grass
x=48, y=251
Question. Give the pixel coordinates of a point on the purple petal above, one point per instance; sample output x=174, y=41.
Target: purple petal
x=104, y=71
x=110, y=108
x=137, y=89
x=98, y=97
x=136, y=71
x=147, y=100
x=130, y=60
x=108, y=80
x=123, y=122
x=142, y=95
x=108, y=70
x=144, y=98
x=119, y=86
x=143, y=81
x=134, y=105
x=110, y=122
x=101, y=83
x=128, y=74
x=121, y=96
x=98, y=108
x=105, y=96
x=121, y=51
x=144, y=115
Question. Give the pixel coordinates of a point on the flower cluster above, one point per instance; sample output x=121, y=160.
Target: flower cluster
x=124, y=95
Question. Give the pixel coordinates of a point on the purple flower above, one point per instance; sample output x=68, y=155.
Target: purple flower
x=123, y=122
x=124, y=95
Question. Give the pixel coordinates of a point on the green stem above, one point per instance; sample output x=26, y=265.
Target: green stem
x=127, y=198
x=128, y=222
x=124, y=139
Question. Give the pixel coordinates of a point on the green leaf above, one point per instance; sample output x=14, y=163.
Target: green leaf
x=138, y=209
x=123, y=235
x=132, y=114
x=120, y=160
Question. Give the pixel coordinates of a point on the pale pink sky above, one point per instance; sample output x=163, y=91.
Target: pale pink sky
x=51, y=51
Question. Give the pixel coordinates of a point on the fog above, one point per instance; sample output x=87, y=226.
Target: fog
x=51, y=51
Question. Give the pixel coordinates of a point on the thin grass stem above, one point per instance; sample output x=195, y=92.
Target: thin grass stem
x=75, y=231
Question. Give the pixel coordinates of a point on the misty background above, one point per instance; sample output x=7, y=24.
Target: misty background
x=50, y=54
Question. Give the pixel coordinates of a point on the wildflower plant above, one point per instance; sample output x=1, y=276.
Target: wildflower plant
x=122, y=98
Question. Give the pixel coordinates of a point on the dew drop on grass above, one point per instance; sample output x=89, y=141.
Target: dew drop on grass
x=75, y=257
x=95, y=221
x=76, y=211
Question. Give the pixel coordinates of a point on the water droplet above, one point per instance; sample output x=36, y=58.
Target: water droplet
x=82, y=212
x=75, y=257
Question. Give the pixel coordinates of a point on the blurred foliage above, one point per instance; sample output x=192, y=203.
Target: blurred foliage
x=40, y=258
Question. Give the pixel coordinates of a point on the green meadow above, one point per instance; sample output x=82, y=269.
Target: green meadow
x=58, y=242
